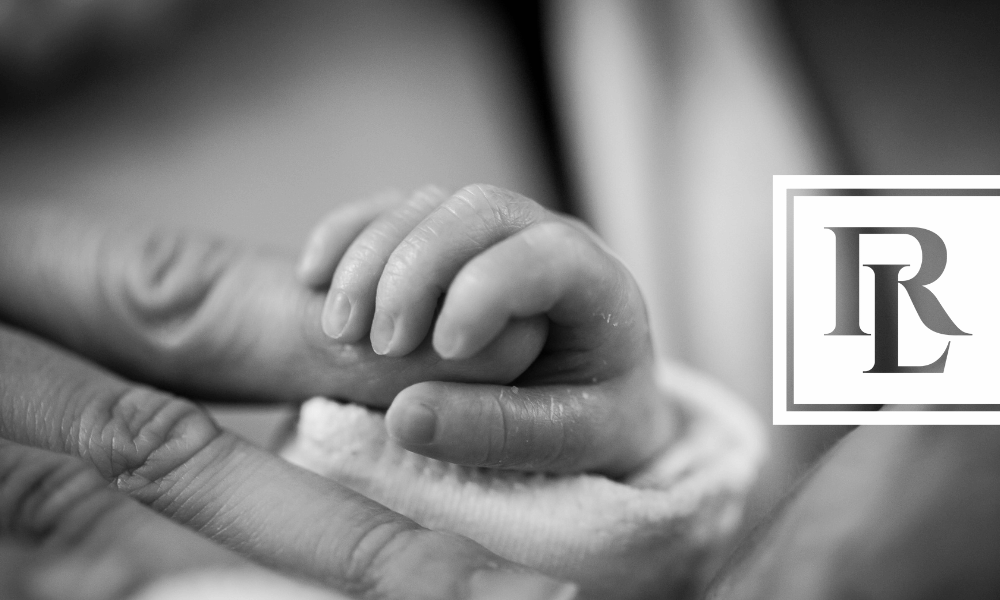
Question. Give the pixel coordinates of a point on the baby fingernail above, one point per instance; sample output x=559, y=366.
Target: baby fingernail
x=510, y=585
x=335, y=314
x=382, y=330
x=448, y=345
x=413, y=424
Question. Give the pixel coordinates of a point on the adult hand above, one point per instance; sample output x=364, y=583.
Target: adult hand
x=907, y=512
x=205, y=318
x=79, y=447
x=500, y=261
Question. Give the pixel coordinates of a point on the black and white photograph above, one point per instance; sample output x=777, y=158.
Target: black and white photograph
x=499, y=300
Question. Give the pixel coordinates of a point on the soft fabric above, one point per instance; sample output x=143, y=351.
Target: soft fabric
x=649, y=536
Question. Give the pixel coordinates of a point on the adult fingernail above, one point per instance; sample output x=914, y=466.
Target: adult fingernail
x=511, y=585
x=382, y=330
x=335, y=314
x=413, y=424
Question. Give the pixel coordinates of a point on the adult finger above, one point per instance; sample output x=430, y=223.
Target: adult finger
x=78, y=538
x=206, y=318
x=330, y=238
x=549, y=268
x=89, y=541
x=350, y=304
x=611, y=428
x=168, y=454
x=420, y=269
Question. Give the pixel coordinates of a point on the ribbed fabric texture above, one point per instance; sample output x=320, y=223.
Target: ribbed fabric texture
x=645, y=537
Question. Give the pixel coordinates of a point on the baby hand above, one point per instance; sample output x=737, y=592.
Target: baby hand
x=488, y=258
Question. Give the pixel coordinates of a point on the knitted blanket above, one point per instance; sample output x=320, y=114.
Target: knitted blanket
x=648, y=536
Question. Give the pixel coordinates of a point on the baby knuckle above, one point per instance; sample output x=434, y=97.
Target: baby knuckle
x=400, y=269
x=476, y=196
x=477, y=205
x=500, y=209
x=366, y=252
x=400, y=263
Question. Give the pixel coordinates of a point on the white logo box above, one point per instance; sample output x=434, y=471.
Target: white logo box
x=820, y=378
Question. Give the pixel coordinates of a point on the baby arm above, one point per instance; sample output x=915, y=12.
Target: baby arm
x=480, y=261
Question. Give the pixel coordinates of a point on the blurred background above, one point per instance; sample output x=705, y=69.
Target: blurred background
x=659, y=122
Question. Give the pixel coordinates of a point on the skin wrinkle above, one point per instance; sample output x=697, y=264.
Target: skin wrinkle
x=379, y=233
x=210, y=522
x=506, y=212
x=365, y=250
x=398, y=266
x=475, y=242
x=88, y=415
x=122, y=446
x=397, y=277
x=419, y=551
x=366, y=556
x=18, y=407
x=217, y=525
x=72, y=438
x=159, y=493
x=472, y=197
x=183, y=508
x=556, y=420
x=229, y=344
x=492, y=225
x=160, y=260
x=491, y=450
x=199, y=264
x=160, y=300
x=379, y=265
x=175, y=434
x=573, y=444
x=105, y=422
x=348, y=222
